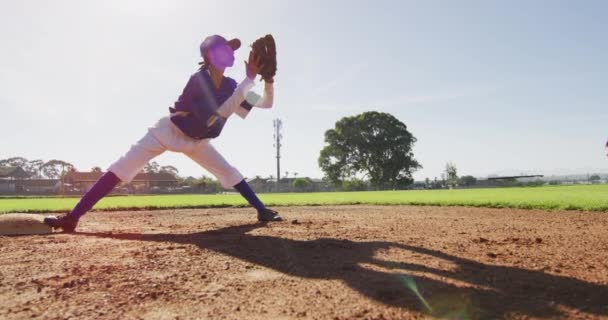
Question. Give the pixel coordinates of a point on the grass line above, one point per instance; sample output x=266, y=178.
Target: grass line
x=578, y=197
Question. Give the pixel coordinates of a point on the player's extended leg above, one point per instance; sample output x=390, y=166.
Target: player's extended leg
x=123, y=170
x=207, y=157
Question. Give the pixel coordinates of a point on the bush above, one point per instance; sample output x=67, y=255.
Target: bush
x=302, y=184
x=207, y=185
x=467, y=181
x=354, y=185
x=536, y=183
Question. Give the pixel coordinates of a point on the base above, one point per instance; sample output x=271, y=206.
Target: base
x=23, y=224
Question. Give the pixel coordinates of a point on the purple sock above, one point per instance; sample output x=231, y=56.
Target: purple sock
x=100, y=189
x=247, y=193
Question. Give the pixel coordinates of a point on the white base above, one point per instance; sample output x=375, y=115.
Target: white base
x=23, y=224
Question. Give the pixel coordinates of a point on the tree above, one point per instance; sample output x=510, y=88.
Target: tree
x=14, y=162
x=34, y=168
x=451, y=174
x=372, y=144
x=96, y=169
x=207, y=185
x=595, y=178
x=186, y=181
x=151, y=167
x=467, y=181
x=301, y=184
x=55, y=169
x=170, y=170
x=354, y=184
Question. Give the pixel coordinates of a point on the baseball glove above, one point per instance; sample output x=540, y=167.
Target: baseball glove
x=266, y=50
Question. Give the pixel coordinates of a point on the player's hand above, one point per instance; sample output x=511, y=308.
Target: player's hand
x=253, y=66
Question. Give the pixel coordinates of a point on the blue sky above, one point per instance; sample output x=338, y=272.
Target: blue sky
x=496, y=87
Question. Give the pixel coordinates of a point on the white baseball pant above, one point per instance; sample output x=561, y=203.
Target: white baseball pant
x=166, y=136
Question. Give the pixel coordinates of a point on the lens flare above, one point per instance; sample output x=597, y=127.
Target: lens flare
x=409, y=282
x=444, y=306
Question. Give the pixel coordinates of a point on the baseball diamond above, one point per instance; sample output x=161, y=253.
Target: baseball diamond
x=406, y=160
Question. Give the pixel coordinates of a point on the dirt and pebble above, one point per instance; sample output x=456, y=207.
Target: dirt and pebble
x=344, y=262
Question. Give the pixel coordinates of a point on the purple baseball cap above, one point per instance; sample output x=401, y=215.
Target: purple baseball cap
x=216, y=40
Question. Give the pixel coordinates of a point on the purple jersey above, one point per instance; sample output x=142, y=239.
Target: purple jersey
x=200, y=100
x=200, y=93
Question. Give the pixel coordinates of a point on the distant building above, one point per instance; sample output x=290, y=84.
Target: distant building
x=40, y=186
x=80, y=182
x=11, y=179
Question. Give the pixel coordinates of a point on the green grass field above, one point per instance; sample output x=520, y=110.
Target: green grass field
x=578, y=197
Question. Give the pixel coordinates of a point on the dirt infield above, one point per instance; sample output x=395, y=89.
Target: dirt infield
x=355, y=262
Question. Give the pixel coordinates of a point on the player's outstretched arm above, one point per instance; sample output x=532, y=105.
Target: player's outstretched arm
x=232, y=104
x=267, y=99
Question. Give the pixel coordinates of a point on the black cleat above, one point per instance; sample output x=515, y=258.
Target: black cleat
x=269, y=215
x=66, y=223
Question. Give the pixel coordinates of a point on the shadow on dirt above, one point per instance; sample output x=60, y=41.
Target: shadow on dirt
x=486, y=290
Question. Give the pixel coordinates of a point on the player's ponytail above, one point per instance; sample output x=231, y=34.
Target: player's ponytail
x=204, y=65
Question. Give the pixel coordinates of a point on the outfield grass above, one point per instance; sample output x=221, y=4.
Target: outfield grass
x=578, y=197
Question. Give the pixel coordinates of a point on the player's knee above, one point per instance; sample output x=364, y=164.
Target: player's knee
x=230, y=177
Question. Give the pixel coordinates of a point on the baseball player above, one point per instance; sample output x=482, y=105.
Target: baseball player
x=198, y=116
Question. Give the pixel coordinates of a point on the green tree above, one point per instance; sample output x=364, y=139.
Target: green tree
x=301, y=184
x=14, y=162
x=170, y=170
x=595, y=178
x=152, y=167
x=186, y=181
x=373, y=144
x=34, y=168
x=55, y=169
x=467, y=181
x=208, y=185
x=451, y=174
x=354, y=184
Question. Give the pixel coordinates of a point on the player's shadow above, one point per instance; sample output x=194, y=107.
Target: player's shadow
x=484, y=290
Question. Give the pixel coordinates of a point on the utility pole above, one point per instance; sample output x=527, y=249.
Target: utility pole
x=278, y=124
